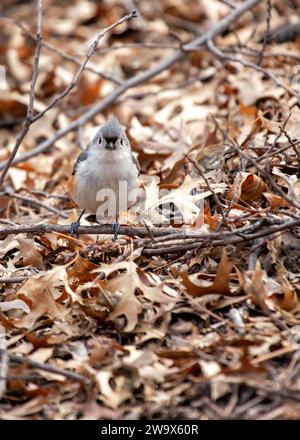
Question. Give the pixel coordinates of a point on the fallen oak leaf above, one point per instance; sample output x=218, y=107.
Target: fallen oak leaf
x=82, y=270
x=130, y=307
x=43, y=305
x=269, y=293
x=182, y=198
x=288, y=299
x=137, y=279
x=211, y=220
x=275, y=201
x=30, y=253
x=220, y=284
x=247, y=187
x=42, y=291
x=126, y=284
x=112, y=397
x=256, y=288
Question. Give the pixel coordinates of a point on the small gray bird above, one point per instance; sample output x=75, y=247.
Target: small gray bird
x=106, y=162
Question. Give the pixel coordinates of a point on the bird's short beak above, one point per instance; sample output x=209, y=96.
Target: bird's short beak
x=110, y=145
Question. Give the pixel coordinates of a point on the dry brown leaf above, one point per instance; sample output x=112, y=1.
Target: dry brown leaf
x=275, y=201
x=255, y=287
x=112, y=397
x=30, y=254
x=126, y=285
x=220, y=284
x=42, y=290
x=247, y=187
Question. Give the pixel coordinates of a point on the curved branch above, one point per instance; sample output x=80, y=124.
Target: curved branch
x=166, y=63
x=213, y=239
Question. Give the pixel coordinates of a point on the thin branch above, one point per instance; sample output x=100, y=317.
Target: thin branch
x=250, y=52
x=29, y=116
x=66, y=56
x=12, y=280
x=238, y=238
x=36, y=203
x=228, y=3
x=22, y=360
x=292, y=143
x=30, y=119
x=142, y=77
x=40, y=192
x=130, y=231
x=226, y=57
x=209, y=187
x=78, y=74
x=138, y=46
x=269, y=154
x=212, y=239
x=264, y=171
x=267, y=33
x=194, y=235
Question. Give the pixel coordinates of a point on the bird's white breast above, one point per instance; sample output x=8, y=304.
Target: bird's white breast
x=103, y=171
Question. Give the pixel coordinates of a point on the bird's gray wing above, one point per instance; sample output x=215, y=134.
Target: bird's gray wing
x=136, y=162
x=82, y=156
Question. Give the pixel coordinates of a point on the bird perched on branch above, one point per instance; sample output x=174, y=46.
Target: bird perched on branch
x=107, y=169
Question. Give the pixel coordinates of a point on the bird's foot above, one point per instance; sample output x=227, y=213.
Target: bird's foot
x=74, y=227
x=115, y=230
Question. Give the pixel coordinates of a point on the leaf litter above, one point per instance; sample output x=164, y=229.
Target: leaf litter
x=208, y=331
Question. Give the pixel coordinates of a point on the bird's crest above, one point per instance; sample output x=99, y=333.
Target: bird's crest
x=112, y=128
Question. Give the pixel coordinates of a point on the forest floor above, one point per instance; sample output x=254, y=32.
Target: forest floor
x=194, y=311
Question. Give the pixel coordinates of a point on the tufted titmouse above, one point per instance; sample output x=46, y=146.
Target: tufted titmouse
x=107, y=168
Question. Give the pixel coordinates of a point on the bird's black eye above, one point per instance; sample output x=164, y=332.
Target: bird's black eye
x=100, y=140
x=122, y=142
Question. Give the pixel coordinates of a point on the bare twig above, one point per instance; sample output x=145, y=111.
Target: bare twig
x=209, y=187
x=30, y=119
x=234, y=238
x=227, y=57
x=277, y=137
x=228, y=3
x=36, y=203
x=264, y=172
x=18, y=359
x=29, y=116
x=140, y=78
x=78, y=74
x=254, y=253
x=185, y=234
x=66, y=56
x=12, y=280
x=292, y=143
x=40, y=192
x=267, y=176
x=212, y=239
x=267, y=33
x=138, y=46
x=250, y=52
x=163, y=233
x=269, y=154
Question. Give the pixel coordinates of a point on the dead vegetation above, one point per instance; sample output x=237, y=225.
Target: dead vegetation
x=195, y=318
